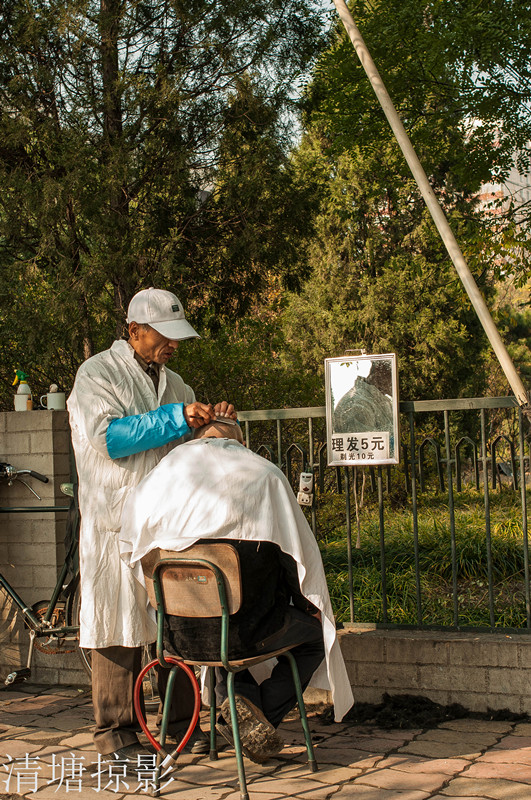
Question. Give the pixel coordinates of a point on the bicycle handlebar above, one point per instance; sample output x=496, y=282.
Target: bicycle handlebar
x=10, y=473
x=38, y=475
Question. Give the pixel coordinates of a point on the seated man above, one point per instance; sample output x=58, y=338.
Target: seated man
x=214, y=489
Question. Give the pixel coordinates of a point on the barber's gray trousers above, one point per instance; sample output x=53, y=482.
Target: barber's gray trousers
x=276, y=695
x=114, y=673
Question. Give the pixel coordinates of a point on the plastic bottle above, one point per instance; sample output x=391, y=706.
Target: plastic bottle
x=23, y=389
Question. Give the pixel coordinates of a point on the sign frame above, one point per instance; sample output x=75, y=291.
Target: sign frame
x=369, y=407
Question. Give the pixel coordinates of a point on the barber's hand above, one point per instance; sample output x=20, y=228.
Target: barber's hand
x=198, y=414
x=225, y=409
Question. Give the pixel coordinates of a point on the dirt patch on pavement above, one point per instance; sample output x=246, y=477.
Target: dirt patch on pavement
x=412, y=711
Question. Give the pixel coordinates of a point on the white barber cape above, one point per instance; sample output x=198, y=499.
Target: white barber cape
x=108, y=386
x=216, y=488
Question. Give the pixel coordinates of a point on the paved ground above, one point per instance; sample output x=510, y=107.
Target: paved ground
x=46, y=752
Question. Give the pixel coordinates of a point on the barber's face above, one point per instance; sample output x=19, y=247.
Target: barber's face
x=150, y=344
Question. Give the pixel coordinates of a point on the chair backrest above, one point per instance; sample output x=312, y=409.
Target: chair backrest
x=190, y=589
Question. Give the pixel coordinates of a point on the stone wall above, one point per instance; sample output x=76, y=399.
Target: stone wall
x=480, y=671
x=31, y=544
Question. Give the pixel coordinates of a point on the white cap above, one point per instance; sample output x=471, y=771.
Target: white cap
x=162, y=311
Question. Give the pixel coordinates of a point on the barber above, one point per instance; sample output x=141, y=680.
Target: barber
x=127, y=411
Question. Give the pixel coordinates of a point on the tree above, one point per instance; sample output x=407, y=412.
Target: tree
x=248, y=362
x=448, y=66
x=113, y=123
x=466, y=65
x=382, y=281
x=256, y=215
x=380, y=277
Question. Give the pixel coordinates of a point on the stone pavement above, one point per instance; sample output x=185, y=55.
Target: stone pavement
x=46, y=752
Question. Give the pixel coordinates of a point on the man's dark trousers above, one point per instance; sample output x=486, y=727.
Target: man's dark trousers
x=276, y=695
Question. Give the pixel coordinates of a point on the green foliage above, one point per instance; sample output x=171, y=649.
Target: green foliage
x=247, y=362
x=141, y=144
x=146, y=144
x=248, y=231
x=380, y=278
x=381, y=281
x=435, y=563
x=515, y=325
x=449, y=68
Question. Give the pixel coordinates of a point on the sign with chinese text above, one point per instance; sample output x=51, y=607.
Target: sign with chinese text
x=362, y=410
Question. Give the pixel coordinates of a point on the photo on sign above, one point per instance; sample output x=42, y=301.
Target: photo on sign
x=362, y=410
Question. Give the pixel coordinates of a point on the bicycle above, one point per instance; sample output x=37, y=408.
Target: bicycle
x=53, y=625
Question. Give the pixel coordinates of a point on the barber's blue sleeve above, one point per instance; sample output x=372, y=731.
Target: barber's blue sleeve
x=129, y=435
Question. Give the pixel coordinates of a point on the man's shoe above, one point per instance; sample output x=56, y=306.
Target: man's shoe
x=260, y=741
x=130, y=752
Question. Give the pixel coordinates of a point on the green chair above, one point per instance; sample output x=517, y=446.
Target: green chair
x=205, y=581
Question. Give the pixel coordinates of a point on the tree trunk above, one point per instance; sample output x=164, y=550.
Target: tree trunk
x=110, y=15
x=75, y=247
x=112, y=103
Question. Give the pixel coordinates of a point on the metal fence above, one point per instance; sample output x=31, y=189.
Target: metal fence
x=459, y=458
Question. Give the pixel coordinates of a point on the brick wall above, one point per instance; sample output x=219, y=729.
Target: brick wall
x=477, y=670
x=31, y=545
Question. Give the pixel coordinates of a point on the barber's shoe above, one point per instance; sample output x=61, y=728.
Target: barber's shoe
x=130, y=752
x=260, y=741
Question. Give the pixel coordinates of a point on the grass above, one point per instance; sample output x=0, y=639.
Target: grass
x=435, y=560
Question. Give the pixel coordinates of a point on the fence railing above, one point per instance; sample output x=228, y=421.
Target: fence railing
x=456, y=456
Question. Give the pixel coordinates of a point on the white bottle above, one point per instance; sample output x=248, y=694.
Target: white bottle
x=23, y=397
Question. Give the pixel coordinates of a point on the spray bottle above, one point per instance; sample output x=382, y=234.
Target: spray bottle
x=24, y=390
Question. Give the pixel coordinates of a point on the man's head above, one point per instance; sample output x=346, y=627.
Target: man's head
x=157, y=324
x=220, y=430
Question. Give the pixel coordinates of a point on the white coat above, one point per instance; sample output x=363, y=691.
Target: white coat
x=108, y=386
x=230, y=492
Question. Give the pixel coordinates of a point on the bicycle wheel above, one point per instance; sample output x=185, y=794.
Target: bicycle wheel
x=73, y=606
x=151, y=695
